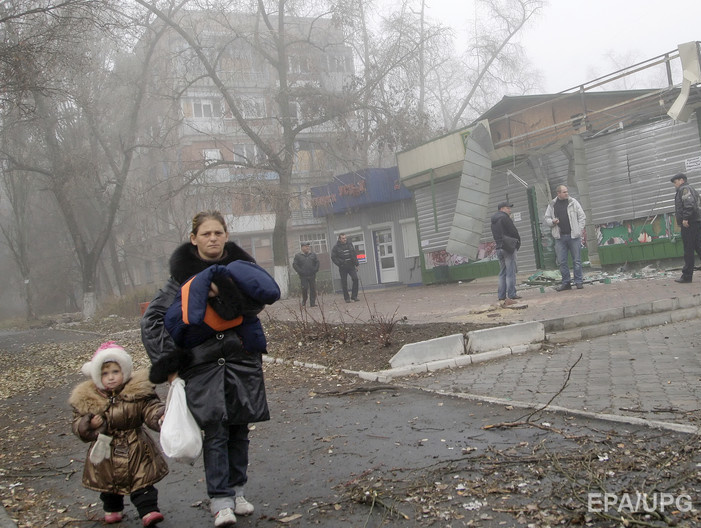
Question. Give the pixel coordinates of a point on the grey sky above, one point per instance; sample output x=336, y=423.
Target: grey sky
x=571, y=41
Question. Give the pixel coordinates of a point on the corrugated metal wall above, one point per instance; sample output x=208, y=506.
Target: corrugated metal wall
x=629, y=170
x=473, y=195
x=435, y=224
x=554, y=167
x=434, y=229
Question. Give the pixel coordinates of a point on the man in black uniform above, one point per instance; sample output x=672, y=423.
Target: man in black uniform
x=686, y=210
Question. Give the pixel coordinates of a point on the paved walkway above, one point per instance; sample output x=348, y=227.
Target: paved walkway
x=649, y=375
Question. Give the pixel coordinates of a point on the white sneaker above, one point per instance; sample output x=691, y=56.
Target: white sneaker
x=225, y=517
x=243, y=507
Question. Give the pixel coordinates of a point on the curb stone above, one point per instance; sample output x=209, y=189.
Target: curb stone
x=632, y=420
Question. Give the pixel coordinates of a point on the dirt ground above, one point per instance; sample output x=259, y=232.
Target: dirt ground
x=352, y=346
x=340, y=452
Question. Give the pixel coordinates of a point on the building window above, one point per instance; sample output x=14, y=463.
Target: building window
x=298, y=64
x=410, y=238
x=317, y=241
x=201, y=108
x=212, y=155
x=246, y=154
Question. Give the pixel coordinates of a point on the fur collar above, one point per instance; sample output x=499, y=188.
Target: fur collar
x=184, y=262
x=86, y=398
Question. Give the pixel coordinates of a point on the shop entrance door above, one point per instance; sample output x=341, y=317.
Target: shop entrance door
x=384, y=255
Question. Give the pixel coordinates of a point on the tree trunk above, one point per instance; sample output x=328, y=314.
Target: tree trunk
x=31, y=313
x=89, y=305
x=116, y=266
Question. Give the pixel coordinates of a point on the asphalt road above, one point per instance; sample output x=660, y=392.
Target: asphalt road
x=327, y=435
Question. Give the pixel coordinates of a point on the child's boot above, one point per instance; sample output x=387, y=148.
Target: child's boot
x=152, y=518
x=113, y=517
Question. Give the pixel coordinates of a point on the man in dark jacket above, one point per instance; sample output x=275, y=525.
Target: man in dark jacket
x=686, y=210
x=344, y=256
x=306, y=264
x=508, y=241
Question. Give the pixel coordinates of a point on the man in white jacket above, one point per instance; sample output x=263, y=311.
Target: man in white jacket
x=567, y=219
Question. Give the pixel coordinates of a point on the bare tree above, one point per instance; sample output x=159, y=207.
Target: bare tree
x=494, y=62
x=15, y=230
x=81, y=117
x=282, y=39
x=388, y=51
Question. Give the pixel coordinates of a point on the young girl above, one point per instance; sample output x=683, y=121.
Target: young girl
x=109, y=411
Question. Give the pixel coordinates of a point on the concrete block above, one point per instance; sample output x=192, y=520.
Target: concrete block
x=520, y=349
x=406, y=370
x=566, y=336
x=492, y=354
x=432, y=350
x=689, y=301
x=369, y=376
x=441, y=364
x=505, y=336
x=637, y=309
x=594, y=318
x=554, y=325
x=665, y=305
x=587, y=319
x=685, y=314
x=462, y=361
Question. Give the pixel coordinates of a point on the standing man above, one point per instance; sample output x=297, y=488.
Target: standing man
x=566, y=218
x=508, y=242
x=686, y=210
x=306, y=264
x=344, y=256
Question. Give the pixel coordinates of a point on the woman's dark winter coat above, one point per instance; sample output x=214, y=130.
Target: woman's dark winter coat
x=223, y=382
x=135, y=461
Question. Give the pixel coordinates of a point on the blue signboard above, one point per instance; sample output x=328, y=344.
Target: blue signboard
x=358, y=189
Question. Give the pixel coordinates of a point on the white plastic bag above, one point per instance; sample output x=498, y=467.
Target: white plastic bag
x=180, y=435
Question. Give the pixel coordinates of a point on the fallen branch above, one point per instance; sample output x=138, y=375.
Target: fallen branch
x=528, y=417
x=358, y=389
x=391, y=509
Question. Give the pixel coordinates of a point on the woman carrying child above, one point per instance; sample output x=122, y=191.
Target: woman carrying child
x=109, y=411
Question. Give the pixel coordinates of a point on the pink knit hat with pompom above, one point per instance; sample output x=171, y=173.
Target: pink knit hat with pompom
x=106, y=352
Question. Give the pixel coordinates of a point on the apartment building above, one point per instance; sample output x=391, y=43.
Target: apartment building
x=227, y=119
